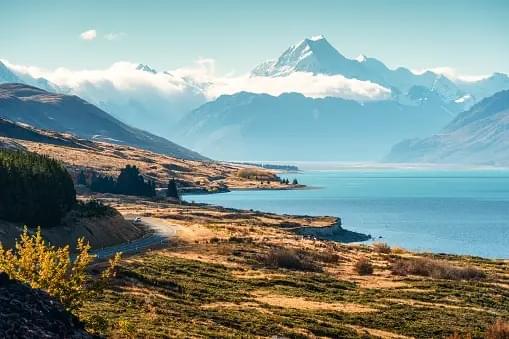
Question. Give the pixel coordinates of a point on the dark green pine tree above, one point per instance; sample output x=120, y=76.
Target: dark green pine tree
x=129, y=182
x=172, y=191
x=34, y=189
x=295, y=182
x=82, y=179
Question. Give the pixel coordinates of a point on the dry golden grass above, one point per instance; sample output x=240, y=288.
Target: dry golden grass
x=108, y=159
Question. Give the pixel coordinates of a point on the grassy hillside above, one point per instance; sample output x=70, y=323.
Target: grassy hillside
x=247, y=274
x=71, y=114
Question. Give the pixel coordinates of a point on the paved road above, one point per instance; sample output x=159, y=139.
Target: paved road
x=162, y=231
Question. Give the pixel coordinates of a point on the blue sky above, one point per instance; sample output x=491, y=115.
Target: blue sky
x=471, y=36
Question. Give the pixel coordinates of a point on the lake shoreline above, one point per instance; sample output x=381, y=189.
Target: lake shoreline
x=422, y=211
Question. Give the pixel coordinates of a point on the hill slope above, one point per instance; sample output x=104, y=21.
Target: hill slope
x=64, y=113
x=477, y=136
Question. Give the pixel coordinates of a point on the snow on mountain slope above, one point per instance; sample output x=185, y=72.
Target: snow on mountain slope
x=318, y=56
x=6, y=75
x=315, y=55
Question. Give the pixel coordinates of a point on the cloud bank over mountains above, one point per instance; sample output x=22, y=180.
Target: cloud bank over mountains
x=156, y=99
x=202, y=77
x=133, y=91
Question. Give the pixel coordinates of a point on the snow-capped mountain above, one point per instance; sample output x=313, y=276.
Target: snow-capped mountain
x=486, y=87
x=316, y=55
x=9, y=76
x=146, y=68
x=477, y=136
x=6, y=75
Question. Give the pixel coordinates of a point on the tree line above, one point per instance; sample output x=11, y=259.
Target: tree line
x=34, y=189
x=285, y=181
x=129, y=182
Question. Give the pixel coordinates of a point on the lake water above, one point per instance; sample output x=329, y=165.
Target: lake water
x=450, y=211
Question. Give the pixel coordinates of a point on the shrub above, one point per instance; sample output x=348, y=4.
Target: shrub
x=382, y=247
x=499, y=330
x=436, y=269
x=93, y=208
x=290, y=259
x=327, y=256
x=363, y=266
x=40, y=265
x=125, y=328
x=255, y=174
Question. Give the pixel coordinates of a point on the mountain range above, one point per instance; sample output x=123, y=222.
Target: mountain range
x=316, y=55
x=257, y=126
x=477, y=136
x=294, y=127
x=70, y=114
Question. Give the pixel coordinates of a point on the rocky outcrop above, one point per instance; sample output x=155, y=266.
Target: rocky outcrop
x=333, y=232
x=32, y=313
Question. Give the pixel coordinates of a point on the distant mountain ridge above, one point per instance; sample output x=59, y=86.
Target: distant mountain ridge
x=477, y=136
x=294, y=127
x=64, y=113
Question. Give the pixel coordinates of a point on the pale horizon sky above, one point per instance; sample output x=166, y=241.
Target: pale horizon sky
x=469, y=36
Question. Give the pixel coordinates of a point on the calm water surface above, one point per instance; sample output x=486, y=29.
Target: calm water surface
x=463, y=212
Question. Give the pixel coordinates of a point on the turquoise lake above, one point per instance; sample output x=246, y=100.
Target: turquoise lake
x=446, y=211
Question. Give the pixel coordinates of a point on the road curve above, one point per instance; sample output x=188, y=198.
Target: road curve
x=160, y=233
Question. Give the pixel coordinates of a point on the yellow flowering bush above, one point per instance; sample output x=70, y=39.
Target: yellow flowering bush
x=50, y=268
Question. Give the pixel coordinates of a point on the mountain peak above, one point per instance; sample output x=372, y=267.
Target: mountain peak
x=316, y=38
x=315, y=55
x=361, y=58
x=146, y=68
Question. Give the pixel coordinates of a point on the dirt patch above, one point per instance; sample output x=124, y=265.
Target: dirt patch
x=252, y=274
x=304, y=304
x=415, y=303
x=194, y=233
x=202, y=257
x=378, y=333
x=380, y=283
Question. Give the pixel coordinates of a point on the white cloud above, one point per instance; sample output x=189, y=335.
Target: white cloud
x=201, y=77
x=114, y=36
x=452, y=74
x=91, y=34
x=202, y=73
x=314, y=86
